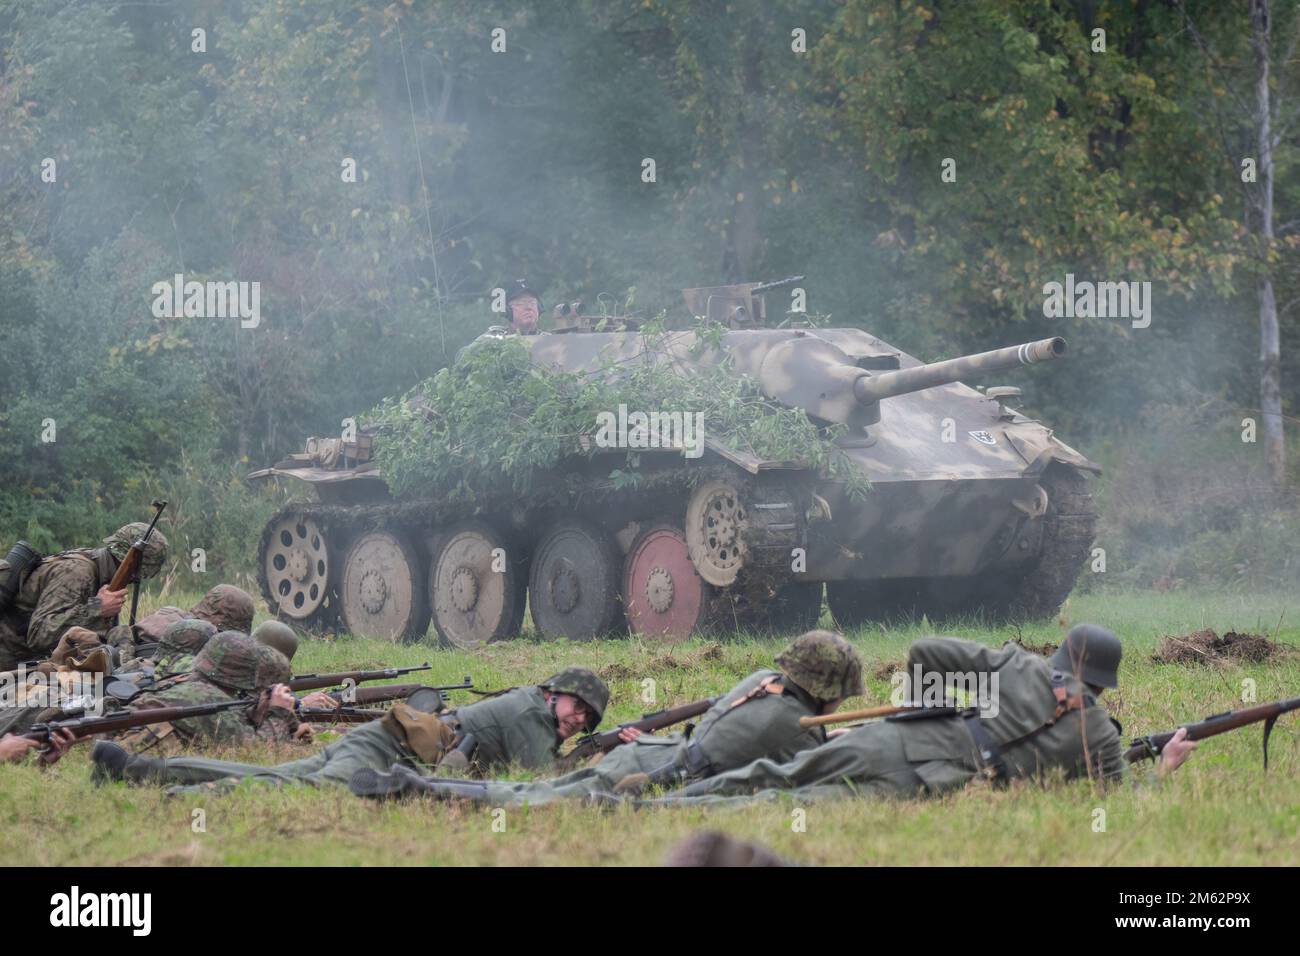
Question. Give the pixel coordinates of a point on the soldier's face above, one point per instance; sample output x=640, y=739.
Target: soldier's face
x=572, y=715
x=523, y=313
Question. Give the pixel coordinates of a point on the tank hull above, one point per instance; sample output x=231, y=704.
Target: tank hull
x=972, y=508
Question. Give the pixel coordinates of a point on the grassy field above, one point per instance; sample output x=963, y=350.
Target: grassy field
x=1219, y=809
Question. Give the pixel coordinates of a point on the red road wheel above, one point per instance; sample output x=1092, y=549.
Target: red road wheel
x=665, y=597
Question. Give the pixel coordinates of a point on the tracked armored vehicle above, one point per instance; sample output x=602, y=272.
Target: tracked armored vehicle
x=973, y=507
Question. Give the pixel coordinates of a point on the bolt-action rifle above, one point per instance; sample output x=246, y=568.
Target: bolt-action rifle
x=605, y=741
x=1149, y=747
x=128, y=571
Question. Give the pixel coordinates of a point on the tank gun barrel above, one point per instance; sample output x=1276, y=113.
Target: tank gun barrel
x=778, y=284
x=869, y=389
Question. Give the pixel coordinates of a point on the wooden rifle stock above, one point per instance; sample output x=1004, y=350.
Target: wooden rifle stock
x=604, y=742
x=111, y=723
x=847, y=715
x=1150, y=747
x=130, y=565
x=321, y=681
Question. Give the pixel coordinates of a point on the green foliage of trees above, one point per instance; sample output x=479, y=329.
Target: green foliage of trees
x=474, y=167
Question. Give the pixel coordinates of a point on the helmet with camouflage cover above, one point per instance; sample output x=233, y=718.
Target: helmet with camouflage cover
x=231, y=660
x=279, y=635
x=584, y=685
x=187, y=636
x=228, y=607
x=272, y=667
x=824, y=664
x=155, y=549
x=1092, y=653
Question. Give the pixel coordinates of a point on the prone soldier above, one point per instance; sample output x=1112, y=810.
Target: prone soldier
x=759, y=717
x=523, y=726
x=1047, y=718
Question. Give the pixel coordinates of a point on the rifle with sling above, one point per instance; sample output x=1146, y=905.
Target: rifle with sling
x=1149, y=747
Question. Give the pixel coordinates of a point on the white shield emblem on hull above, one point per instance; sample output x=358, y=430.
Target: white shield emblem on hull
x=983, y=437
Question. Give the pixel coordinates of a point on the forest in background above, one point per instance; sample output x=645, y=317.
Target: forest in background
x=787, y=137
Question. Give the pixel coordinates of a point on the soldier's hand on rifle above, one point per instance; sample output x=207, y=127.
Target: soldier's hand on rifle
x=60, y=741
x=110, y=602
x=282, y=696
x=1175, y=752
x=14, y=748
x=629, y=734
x=304, y=733
x=319, y=698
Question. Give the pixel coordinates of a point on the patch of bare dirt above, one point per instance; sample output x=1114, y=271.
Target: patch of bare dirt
x=670, y=661
x=1045, y=650
x=888, y=669
x=1207, y=647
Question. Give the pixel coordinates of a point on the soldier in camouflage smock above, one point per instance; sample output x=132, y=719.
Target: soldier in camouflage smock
x=1042, y=716
x=759, y=717
x=179, y=644
x=229, y=665
x=70, y=589
x=225, y=607
x=64, y=686
x=522, y=727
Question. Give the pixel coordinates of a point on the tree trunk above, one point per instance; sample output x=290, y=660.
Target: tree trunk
x=1270, y=359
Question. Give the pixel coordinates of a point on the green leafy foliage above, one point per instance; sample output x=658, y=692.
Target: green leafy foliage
x=494, y=421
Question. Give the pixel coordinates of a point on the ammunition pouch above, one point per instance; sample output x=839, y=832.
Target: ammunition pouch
x=16, y=567
x=992, y=764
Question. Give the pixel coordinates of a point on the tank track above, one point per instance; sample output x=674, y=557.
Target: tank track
x=1068, y=533
x=338, y=523
x=777, y=508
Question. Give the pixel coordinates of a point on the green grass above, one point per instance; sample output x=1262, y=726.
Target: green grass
x=1220, y=809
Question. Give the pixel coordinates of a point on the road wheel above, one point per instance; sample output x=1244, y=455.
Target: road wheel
x=665, y=598
x=383, y=589
x=477, y=587
x=574, y=585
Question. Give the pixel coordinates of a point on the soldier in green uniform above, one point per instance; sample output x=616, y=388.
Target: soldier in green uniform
x=1045, y=717
x=759, y=717
x=523, y=726
x=70, y=589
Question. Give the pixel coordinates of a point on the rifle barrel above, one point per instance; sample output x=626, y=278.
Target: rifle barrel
x=1150, y=747
x=607, y=740
x=140, y=717
x=321, y=681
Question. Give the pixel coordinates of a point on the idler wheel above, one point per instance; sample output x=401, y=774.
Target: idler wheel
x=296, y=566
